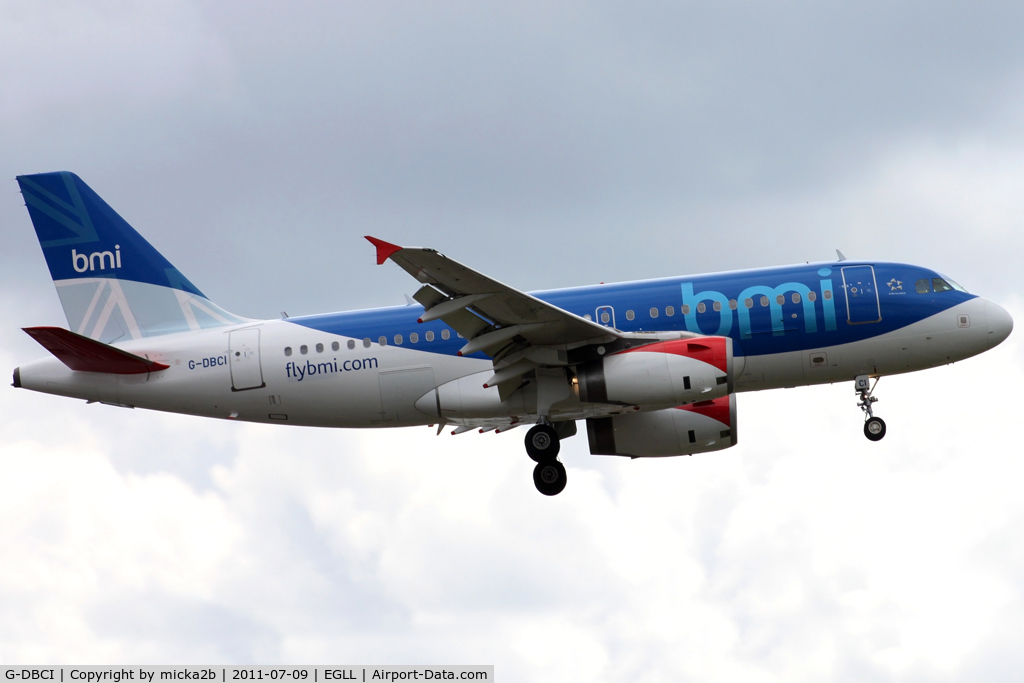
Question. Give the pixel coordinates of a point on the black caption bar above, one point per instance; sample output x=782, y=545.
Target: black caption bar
x=247, y=674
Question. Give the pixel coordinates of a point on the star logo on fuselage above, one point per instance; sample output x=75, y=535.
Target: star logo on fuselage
x=895, y=284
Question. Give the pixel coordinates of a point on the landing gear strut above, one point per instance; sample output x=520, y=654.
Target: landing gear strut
x=874, y=427
x=542, y=445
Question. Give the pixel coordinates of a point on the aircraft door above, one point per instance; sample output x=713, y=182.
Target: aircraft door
x=861, y=295
x=605, y=315
x=244, y=359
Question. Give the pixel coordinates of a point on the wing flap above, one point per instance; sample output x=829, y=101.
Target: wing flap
x=88, y=355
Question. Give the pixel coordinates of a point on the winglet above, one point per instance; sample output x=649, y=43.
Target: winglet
x=384, y=249
x=88, y=355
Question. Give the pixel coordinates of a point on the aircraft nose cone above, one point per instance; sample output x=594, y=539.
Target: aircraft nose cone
x=1000, y=324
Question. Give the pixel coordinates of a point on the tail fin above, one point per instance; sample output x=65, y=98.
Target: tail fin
x=111, y=282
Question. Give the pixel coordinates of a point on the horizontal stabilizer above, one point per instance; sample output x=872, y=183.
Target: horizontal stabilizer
x=88, y=355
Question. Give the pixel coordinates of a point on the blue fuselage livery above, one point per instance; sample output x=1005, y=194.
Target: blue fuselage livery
x=652, y=367
x=765, y=312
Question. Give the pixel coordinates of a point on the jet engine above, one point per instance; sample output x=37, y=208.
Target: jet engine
x=696, y=428
x=666, y=373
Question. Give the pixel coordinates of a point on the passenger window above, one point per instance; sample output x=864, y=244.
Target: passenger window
x=686, y=310
x=654, y=312
x=605, y=318
x=630, y=315
x=670, y=311
x=732, y=304
x=429, y=336
x=586, y=316
x=940, y=285
x=303, y=349
x=717, y=305
x=335, y=346
x=701, y=307
x=828, y=294
x=780, y=299
x=367, y=342
x=764, y=301
x=287, y=350
x=922, y=286
x=398, y=339
x=383, y=341
x=812, y=296
x=445, y=334
x=319, y=348
x=413, y=338
x=749, y=303
x=796, y=297
x=352, y=343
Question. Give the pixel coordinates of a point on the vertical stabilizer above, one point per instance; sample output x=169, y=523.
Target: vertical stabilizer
x=112, y=283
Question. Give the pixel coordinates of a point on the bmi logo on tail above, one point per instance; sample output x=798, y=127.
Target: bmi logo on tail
x=89, y=262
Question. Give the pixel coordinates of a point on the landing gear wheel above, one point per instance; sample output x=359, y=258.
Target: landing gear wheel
x=874, y=428
x=542, y=444
x=549, y=477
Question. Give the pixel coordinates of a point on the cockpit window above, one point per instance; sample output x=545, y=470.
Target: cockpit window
x=940, y=285
x=923, y=287
x=953, y=285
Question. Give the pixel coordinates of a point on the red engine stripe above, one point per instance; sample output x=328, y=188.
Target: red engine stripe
x=717, y=409
x=710, y=350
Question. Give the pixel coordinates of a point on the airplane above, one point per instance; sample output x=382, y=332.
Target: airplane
x=653, y=367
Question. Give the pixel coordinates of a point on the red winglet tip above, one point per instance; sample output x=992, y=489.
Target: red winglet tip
x=384, y=249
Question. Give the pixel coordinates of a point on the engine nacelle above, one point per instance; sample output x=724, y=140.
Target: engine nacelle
x=696, y=428
x=667, y=373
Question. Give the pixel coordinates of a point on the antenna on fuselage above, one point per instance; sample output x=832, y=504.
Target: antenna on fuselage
x=840, y=254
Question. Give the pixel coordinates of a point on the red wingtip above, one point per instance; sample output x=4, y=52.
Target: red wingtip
x=384, y=249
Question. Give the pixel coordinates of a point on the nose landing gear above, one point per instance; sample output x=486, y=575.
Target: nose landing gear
x=874, y=427
x=542, y=445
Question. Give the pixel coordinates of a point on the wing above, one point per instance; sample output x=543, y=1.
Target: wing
x=519, y=331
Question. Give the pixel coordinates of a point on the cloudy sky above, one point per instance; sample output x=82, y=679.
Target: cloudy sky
x=547, y=145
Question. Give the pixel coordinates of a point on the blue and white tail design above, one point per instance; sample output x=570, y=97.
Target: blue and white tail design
x=112, y=283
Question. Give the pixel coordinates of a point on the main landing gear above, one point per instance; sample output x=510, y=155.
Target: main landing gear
x=874, y=427
x=542, y=445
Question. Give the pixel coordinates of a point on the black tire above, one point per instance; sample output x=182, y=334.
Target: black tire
x=542, y=443
x=874, y=429
x=549, y=477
